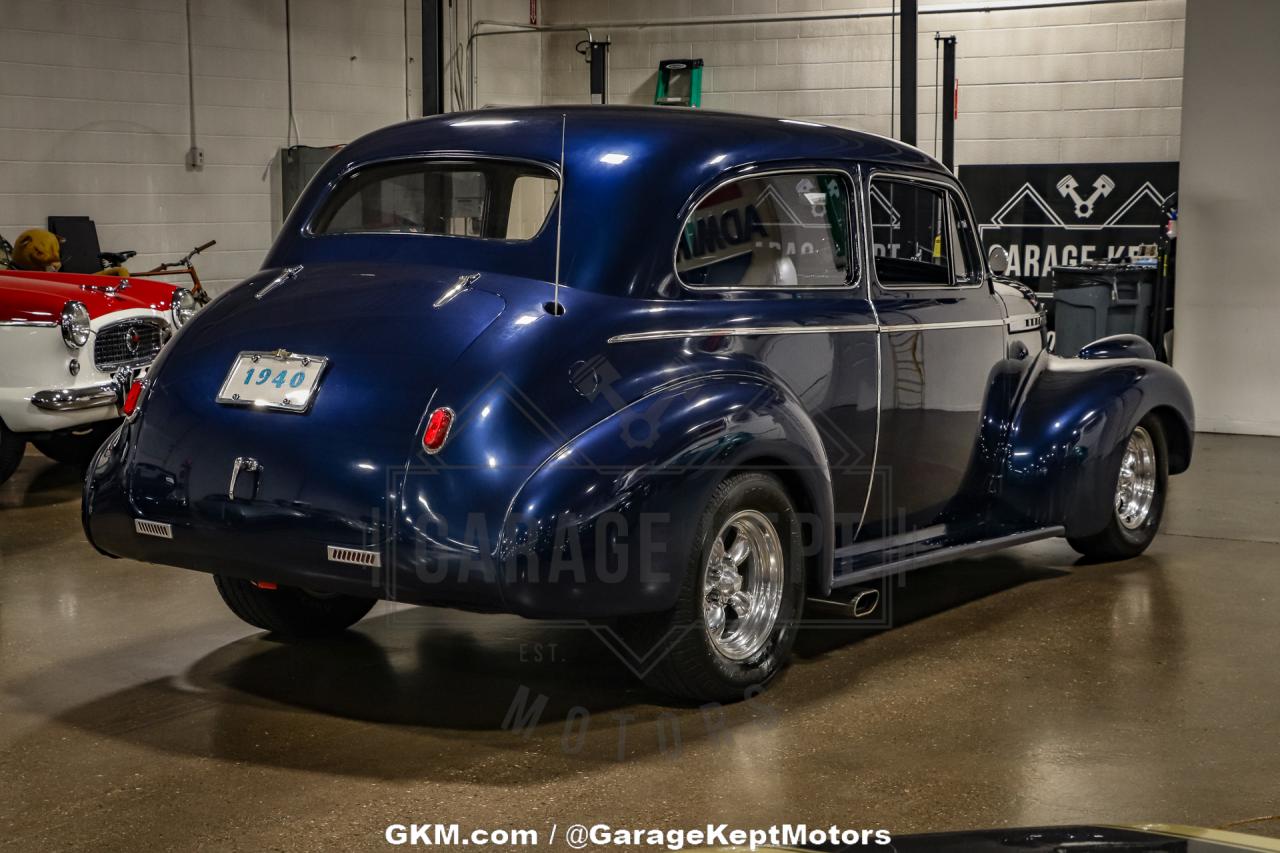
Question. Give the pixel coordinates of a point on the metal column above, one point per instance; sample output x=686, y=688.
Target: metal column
x=598, y=57
x=907, y=69
x=947, y=102
x=432, y=57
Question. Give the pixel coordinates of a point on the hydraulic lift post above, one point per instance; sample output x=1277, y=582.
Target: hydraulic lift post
x=907, y=69
x=947, y=101
x=598, y=59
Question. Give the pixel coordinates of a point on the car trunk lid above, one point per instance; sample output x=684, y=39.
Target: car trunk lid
x=322, y=477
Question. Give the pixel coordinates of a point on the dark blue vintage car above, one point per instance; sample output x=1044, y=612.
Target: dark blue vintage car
x=679, y=370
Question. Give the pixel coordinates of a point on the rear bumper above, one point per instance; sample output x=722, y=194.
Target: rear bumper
x=300, y=545
x=144, y=513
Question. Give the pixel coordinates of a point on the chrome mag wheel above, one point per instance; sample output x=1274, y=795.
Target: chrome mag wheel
x=742, y=585
x=1136, y=486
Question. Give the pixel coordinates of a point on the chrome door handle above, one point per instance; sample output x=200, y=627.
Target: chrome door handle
x=242, y=463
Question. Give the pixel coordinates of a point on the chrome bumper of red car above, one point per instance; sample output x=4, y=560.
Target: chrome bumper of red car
x=77, y=399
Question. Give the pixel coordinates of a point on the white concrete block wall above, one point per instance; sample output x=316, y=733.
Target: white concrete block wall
x=509, y=67
x=1084, y=83
x=94, y=119
x=93, y=101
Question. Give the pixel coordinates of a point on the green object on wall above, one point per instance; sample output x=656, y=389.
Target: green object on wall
x=679, y=83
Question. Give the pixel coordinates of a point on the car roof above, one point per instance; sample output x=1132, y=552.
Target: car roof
x=630, y=175
x=746, y=138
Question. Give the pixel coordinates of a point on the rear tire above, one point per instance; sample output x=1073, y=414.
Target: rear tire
x=78, y=447
x=739, y=605
x=1135, y=492
x=11, y=449
x=290, y=611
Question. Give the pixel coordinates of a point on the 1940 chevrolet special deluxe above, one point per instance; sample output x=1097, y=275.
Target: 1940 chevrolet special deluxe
x=679, y=370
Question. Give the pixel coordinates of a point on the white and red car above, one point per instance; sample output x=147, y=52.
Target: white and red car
x=70, y=344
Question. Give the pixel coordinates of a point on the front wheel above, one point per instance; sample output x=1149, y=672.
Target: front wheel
x=11, y=449
x=76, y=447
x=740, y=601
x=290, y=611
x=1136, y=495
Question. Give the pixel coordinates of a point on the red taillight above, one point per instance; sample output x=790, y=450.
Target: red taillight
x=131, y=399
x=437, y=430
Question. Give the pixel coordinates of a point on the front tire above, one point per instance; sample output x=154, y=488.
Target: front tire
x=739, y=605
x=77, y=447
x=290, y=611
x=1136, y=494
x=11, y=449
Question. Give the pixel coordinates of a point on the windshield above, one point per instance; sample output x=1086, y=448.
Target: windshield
x=485, y=199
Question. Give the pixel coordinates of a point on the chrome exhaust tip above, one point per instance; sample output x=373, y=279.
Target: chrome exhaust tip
x=861, y=602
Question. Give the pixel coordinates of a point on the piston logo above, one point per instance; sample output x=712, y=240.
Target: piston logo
x=1084, y=206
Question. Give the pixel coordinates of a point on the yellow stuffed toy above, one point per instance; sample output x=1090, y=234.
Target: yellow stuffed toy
x=41, y=251
x=38, y=250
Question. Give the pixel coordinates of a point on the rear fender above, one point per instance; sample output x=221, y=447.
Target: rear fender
x=1069, y=432
x=609, y=519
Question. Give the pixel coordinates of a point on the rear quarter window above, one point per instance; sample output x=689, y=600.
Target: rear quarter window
x=783, y=231
x=483, y=199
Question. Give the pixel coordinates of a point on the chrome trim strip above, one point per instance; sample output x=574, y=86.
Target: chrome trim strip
x=922, y=327
x=77, y=399
x=868, y=248
x=37, y=323
x=740, y=331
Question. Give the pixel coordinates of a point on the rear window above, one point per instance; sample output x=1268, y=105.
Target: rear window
x=485, y=199
x=786, y=231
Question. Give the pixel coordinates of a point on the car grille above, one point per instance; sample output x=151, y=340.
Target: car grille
x=131, y=343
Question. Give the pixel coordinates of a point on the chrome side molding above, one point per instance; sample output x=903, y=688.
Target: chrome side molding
x=660, y=334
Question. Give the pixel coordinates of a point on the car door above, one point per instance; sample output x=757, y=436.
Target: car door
x=942, y=335
x=779, y=250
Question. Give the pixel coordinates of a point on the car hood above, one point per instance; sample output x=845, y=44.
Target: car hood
x=38, y=297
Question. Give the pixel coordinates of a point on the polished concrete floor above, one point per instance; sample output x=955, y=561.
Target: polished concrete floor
x=137, y=713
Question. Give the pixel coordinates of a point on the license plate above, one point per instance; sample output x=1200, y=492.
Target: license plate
x=279, y=381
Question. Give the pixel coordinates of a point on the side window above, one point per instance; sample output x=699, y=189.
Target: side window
x=909, y=233
x=774, y=231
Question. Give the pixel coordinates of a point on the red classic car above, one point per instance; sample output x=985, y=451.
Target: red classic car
x=69, y=344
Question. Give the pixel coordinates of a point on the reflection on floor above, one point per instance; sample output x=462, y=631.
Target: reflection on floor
x=1014, y=690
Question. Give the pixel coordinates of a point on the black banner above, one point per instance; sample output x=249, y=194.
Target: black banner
x=1065, y=214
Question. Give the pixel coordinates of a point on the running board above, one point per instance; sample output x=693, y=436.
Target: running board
x=943, y=554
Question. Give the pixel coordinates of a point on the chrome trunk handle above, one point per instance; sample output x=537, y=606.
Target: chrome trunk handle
x=242, y=463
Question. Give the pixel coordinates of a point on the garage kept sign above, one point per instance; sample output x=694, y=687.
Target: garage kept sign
x=1053, y=215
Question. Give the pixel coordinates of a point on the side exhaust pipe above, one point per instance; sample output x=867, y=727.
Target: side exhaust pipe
x=861, y=602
